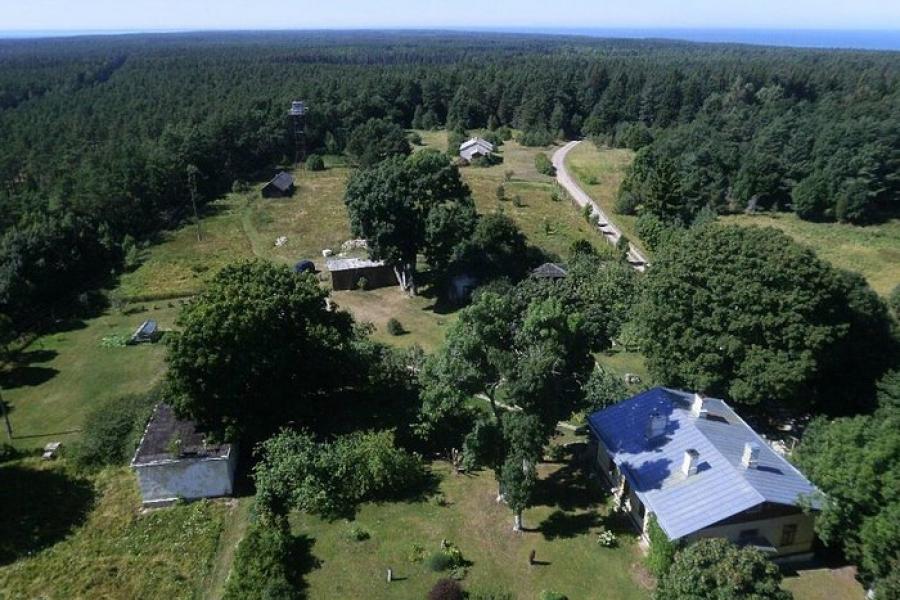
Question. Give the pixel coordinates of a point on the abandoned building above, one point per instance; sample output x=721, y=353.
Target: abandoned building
x=174, y=462
x=355, y=273
x=703, y=472
x=281, y=186
x=475, y=148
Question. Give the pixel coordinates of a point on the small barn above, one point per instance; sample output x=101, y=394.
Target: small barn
x=551, y=271
x=281, y=186
x=148, y=332
x=174, y=462
x=475, y=148
x=346, y=273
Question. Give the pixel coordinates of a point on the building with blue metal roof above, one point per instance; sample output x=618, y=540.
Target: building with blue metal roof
x=703, y=472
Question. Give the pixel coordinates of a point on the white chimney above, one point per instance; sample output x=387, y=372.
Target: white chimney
x=698, y=406
x=751, y=455
x=689, y=464
x=657, y=424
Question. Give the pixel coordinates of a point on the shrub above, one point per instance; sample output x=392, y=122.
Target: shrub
x=607, y=539
x=112, y=430
x=414, y=138
x=454, y=140
x=662, y=549
x=8, y=452
x=266, y=565
x=416, y=553
x=362, y=283
x=587, y=211
x=557, y=453
x=543, y=165
x=517, y=201
x=501, y=192
x=314, y=162
x=439, y=561
x=626, y=203
x=395, y=327
x=446, y=589
x=536, y=137
x=548, y=595
x=504, y=133
x=358, y=533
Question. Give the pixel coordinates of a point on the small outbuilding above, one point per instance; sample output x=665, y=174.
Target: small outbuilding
x=552, y=271
x=174, y=462
x=346, y=273
x=148, y=332
x=475, y=148
x=281, y=186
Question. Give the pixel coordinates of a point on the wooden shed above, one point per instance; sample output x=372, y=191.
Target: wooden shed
x=346, y=273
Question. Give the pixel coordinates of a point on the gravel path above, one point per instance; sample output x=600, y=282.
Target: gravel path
x=606, y=227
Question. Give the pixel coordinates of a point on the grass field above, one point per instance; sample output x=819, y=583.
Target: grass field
x=562, y=532
x=86, y=539
x=872, y=251
x=62, y=374
x=599, y=172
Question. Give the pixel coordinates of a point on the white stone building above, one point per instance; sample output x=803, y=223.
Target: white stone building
x=173, y=462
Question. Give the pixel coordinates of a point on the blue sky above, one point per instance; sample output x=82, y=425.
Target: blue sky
x=300, y=14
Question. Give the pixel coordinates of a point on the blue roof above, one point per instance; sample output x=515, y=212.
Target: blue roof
x=721, y=487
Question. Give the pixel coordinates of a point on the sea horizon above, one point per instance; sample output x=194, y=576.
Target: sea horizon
x=860, y=39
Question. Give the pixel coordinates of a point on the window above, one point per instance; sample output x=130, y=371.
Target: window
x=789, y=534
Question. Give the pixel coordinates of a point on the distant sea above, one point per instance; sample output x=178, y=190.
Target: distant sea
x=798, y=38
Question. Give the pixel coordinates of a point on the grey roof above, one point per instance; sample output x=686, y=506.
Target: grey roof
x=549, y=271
x=483, y=145
x=721, y=487
x=148, y=327
x=163, y=428
x=345, y=264
x=283, y=181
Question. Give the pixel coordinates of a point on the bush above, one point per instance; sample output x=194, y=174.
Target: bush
x=330, y=479
x=517, y=201
x=314, y=162
x=543, y=165
x=490, y=595
x=414, y=138
x=548, y=595
x=557, y=453
x=112, y=430
x=395, y=327
x=8, y=452
x=267, y=565
x=446, y=589
x=455, y=139
x=536, y=137
x=662, y=549
x=358, y=534
x=626, y=203
x=439, y=561
x=607, y=539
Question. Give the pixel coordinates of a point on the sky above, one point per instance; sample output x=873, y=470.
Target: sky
x=80, y=15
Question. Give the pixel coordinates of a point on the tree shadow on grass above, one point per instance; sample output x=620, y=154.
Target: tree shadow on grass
x=40, y=507
x=561, y=525
x=569, y=488
x=41, y=355
x=302, y=563
x=27, y=376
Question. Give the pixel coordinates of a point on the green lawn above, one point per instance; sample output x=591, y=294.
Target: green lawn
x=562, y=531
x=87, y=538
x=56, y=380
x=873, y=251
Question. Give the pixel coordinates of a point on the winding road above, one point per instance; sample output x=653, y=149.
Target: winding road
x=606, y=227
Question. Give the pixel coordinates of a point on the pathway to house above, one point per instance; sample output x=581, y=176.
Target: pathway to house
x=606, y=227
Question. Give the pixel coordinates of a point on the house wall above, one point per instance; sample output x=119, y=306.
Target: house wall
x=189, y=479
x=771, y=529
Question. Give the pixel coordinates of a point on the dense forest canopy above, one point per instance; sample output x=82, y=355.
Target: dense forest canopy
x=100, y=134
